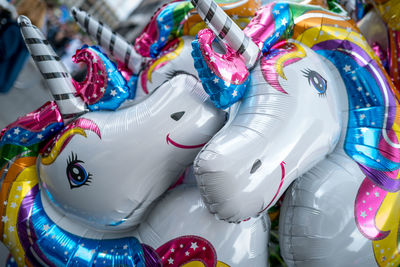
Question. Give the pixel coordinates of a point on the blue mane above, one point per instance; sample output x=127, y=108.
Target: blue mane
x=367, y=108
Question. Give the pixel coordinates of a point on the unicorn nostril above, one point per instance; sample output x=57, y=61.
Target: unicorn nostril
x=255, y=166
x=177, y=115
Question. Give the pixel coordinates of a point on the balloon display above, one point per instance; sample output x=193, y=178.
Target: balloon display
x=321, y=111
x=172, y=155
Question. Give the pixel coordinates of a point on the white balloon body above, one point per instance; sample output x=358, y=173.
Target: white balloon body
x=272, y=140
x=317, y=225
x=181, y=212
x=142, y=151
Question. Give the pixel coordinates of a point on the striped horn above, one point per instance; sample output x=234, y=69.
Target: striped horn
x=54, y=72
x=227, y=30
x=110, y=41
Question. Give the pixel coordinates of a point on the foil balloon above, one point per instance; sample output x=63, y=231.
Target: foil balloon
x=389, y=11
x=390, y=14
x=75, y=186
x=172, y=120
x=319, y=104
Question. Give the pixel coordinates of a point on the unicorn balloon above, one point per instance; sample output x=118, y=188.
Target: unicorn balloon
x=84, y=179
x=318, y=111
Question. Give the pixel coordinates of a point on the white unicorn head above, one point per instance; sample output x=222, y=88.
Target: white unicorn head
x=106, y=168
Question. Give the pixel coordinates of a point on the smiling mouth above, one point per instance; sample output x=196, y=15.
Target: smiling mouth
x=172, y=142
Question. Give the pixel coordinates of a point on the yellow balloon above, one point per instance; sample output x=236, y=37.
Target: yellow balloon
x=390, y=12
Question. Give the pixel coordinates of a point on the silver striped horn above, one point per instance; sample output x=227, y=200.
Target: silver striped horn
x=110, y=41
x=54, y=72
x=227, y=30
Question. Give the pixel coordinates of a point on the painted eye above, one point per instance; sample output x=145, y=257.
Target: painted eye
x=177, y=115
x=315, y=79
x=76, y=173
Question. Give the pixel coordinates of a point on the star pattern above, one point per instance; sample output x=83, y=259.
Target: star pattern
x=46, y=227
x=363, y=214
x=194, y=245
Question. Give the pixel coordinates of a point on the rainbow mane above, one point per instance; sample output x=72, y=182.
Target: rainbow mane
x=19, y=148
x=177, y=18
x=372, y=138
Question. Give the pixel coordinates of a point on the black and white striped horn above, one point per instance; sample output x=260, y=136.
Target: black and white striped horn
x=54, y=72
x=227, y=30
x=110, y=41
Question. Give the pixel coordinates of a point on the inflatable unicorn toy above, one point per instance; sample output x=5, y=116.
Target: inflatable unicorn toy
x=164, y=48
x=84, y=179
x=319, y=112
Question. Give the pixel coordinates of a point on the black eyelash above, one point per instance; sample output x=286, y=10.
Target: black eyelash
x=73, y=158
x=171, y=74
x=307, y=73
x=89, y=179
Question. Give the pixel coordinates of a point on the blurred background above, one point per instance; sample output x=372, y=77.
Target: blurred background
x=22, y=89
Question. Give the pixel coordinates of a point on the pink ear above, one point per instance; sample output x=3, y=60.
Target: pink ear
x=230, y=67
x=90, y=89
x=224, y=77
